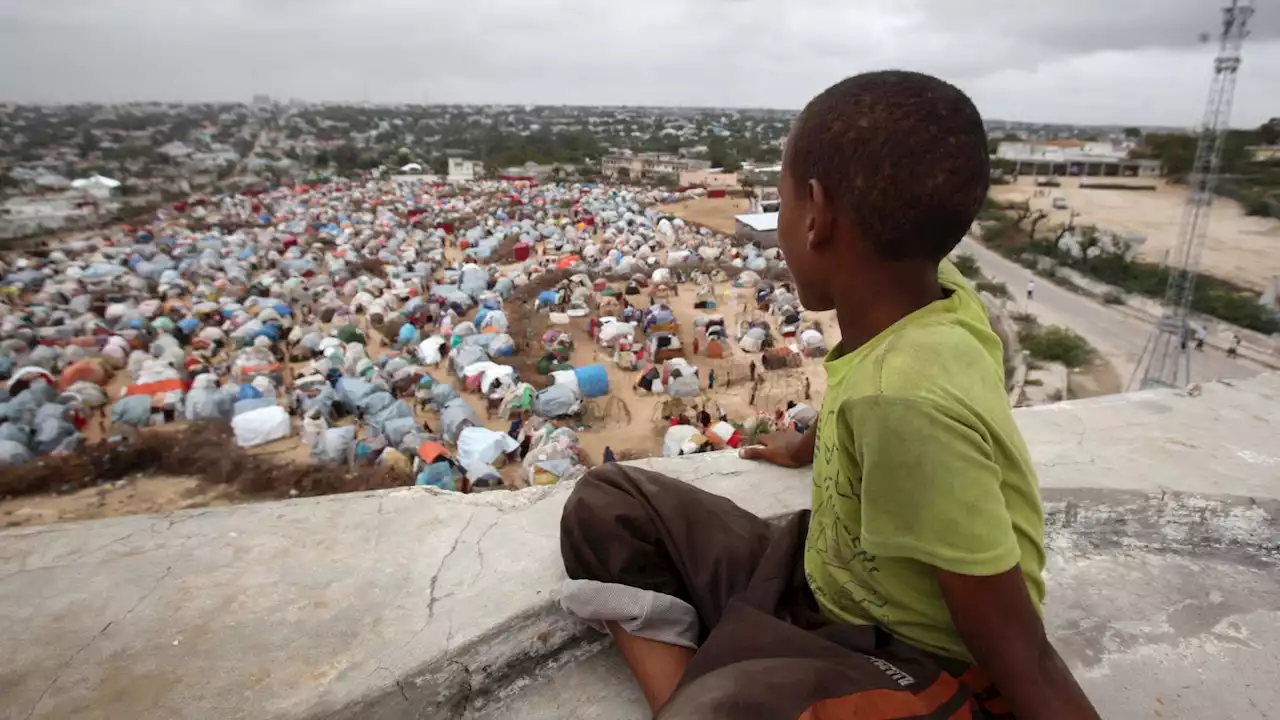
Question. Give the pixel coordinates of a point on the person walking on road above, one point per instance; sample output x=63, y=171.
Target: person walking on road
x=1201, y=333
x=1233, y=349
x=1031, y=290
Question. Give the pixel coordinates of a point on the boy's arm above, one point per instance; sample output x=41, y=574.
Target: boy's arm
x=787, y=449
x=1003, y=631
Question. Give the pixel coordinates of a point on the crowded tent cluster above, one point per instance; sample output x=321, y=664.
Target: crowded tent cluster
x=468, y=336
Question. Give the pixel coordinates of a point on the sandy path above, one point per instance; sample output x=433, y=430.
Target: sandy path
x=1239, y=248
x=717, y=214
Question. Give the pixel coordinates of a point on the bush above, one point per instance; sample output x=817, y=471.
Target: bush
x=992, y=209
x=1056, y=344
x=993, y=288
x=997, y=232
x=967, y=265
x=1257, y=208
x=1111, y=297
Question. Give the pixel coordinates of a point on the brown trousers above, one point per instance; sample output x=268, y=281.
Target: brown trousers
x=765, y=651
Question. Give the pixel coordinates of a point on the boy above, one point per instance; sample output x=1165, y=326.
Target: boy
x=913, y=587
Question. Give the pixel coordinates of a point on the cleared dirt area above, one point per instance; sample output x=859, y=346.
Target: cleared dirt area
x=717, y=213
x=141, y=495
x=1242, y=249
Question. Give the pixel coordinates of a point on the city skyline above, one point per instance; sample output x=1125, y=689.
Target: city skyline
x=1076, y=64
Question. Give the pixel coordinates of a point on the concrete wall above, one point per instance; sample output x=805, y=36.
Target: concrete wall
x=1164, y=594
x=708, y=179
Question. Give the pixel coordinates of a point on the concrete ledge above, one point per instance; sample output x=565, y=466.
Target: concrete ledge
x=415, y=603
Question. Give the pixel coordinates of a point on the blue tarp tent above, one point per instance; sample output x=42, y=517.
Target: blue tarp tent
x=593, y=380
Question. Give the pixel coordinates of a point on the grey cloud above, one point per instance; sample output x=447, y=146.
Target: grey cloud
x=1078, y=60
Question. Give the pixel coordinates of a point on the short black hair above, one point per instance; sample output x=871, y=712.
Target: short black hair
x=902, y=154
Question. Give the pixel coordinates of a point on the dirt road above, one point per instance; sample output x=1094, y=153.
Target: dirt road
x=1117, y=335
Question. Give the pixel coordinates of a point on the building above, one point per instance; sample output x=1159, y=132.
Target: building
x=1265, y=153
x=1074, y=157
x=461, y=170
x=648, y=166
x=759, y=228
x=709, y=179
x=97, y=186
x=532, y=171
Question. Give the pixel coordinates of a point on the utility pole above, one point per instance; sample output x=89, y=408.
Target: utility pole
x=1166, y=359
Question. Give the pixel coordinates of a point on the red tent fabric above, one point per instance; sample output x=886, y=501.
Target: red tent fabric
x=85, y=370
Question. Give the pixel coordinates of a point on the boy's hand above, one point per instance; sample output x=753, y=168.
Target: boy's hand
x=788, y=449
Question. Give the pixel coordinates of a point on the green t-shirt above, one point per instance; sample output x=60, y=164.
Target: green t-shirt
x=919, y=465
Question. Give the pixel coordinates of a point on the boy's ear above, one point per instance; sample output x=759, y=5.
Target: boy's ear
x=821, y=220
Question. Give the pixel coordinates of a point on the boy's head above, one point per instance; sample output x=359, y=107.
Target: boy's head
x=881, y=168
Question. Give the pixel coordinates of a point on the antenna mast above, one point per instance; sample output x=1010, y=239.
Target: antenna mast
x=1165, y=360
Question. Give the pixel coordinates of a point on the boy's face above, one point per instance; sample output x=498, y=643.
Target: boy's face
x=802, y=230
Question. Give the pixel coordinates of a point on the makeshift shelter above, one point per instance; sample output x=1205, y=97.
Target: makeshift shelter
x=779, y=358
x=592, y=380
x=557, y=401
x=682, y=440
x=454, y=417
x=261, y=426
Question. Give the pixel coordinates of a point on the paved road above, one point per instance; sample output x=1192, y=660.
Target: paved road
x=1117, y=335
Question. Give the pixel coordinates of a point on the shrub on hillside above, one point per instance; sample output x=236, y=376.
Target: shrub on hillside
x=1257, y=208
x=967, y=265
x=1056, y=344
x=993, y=288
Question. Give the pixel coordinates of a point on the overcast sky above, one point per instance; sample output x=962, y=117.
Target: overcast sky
x=1083, y=61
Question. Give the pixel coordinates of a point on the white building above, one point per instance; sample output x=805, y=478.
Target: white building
x=1071, y=157
x=96, y=186
x=648, y=165
x=461, y=170
x=760, y=228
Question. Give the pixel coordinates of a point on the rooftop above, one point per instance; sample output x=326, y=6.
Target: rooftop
x=1164, y=593
x=760, y=222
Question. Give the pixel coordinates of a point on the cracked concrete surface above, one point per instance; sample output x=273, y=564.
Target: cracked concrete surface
x=1161, y=515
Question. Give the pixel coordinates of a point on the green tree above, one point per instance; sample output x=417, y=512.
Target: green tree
x=1133, y=133
x=719, y=154
x=88, y=143
x=346, y=157
x=1269, y=132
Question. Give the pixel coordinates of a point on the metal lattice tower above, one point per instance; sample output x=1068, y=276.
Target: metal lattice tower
x=1165, y=360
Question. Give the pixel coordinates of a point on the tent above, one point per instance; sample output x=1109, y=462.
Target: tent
x=557, y=401
x=92, y=370
x=350, y=334
x=482, y=446
x=726, y=433
x=429, y=350
x=592, y=380
x=682, y=440
x=454, y=417
x=465, y=356
x=261, y=426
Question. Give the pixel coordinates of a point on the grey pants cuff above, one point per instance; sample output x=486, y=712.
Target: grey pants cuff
x=642, y=613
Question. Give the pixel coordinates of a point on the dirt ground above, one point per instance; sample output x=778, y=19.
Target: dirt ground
x=1242, y=249
x=136, y=496
x=716, y=214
